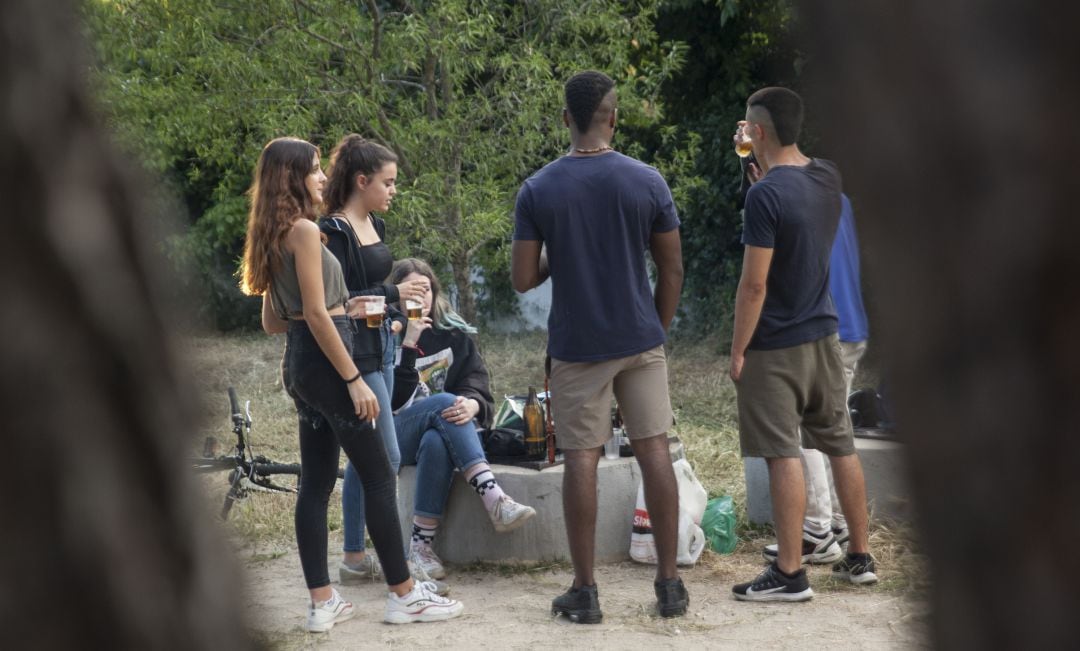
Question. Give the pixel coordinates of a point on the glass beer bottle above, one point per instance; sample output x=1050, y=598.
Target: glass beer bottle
x=535, y=436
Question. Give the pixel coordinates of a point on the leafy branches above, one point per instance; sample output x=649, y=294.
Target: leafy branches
x=467, y=92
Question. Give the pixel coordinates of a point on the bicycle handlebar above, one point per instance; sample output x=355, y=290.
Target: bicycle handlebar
x=234, y=403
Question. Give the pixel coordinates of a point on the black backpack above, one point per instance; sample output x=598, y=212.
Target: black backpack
x=863, y=405
x=503, y=442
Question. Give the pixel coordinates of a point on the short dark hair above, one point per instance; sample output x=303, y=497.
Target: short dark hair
x=584, y=92
x=785, y=108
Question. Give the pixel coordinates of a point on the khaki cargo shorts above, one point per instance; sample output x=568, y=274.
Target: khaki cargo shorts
x=582, y=392
x=785, y=390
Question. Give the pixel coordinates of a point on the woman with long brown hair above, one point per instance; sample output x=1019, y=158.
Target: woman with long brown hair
x=304, y=296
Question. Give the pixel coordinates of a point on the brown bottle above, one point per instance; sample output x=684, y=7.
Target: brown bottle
x=535, y=439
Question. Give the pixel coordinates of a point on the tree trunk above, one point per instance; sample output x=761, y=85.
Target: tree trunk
x=460, y=259
x=105, y=544
x=461, y=263
x=955, y=124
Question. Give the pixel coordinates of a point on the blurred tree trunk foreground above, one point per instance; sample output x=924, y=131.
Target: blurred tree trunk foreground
x=103, y=545
x=956, y=127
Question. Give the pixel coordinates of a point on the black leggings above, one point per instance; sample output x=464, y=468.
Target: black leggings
x=328, y=423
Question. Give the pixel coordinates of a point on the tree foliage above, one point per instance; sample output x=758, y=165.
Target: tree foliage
x=468, y=92
x=734, y=47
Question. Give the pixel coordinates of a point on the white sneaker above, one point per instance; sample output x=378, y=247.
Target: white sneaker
x=507, y=515
x=420, y=605
x=421, y=576
x=367, y=570
x=815, y=549
x=322, y=616
x=423, y=556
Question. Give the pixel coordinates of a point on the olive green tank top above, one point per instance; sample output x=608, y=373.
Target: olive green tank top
x=285, y=286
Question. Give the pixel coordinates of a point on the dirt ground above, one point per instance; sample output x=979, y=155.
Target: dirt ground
x=510, y=609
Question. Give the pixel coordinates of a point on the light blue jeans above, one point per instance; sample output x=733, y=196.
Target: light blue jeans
x=436, y=447
x=352, y=492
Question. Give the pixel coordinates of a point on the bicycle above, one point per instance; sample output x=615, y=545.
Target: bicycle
x=247, y=471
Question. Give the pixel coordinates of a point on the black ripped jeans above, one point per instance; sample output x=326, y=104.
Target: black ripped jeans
x=328, y=424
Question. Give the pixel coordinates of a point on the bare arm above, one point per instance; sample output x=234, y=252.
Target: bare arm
x=271, y=322
x=666, y=250
x=528, y=264
x=749, y=299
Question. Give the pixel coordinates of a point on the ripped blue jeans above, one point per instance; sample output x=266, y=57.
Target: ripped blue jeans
x=381, y=383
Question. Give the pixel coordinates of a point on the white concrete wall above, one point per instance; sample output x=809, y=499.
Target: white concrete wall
x=883, y=468
x=466, y=534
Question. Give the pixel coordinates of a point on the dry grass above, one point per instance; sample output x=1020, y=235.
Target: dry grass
x=702, y=395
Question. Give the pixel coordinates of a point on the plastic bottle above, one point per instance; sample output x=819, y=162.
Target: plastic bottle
x=535, y=436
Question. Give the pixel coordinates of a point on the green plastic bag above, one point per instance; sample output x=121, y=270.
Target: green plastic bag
x=719, y=524
x=511, y=412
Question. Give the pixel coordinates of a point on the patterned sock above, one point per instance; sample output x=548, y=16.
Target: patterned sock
x=483, y=482
x=422, y=534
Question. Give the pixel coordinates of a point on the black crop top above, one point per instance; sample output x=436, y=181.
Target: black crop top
x=377, y=262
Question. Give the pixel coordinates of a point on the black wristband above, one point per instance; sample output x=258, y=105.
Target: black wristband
x=354, y=378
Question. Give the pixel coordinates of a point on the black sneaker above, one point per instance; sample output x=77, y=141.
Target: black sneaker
x=671, y=597
x=581, y=605
x=774, y=585
x=819, y=550
x=857, y=568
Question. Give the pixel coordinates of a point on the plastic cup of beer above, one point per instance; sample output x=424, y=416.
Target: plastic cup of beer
x=374, y=310
x=743, y=146
x=414, y=309
x=611, y=446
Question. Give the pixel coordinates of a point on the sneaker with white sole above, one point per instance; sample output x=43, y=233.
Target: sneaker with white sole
x=421, y=604
x=856, y=568
x=421, y=576
x=367, y=570
x=842, y=536
x=323, y=615
x=817, y=550
x=774, y=585
x=424, y=557
x=507, y=515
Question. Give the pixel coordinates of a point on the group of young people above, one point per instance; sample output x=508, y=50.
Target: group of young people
x=586, y=221
x=316, y=253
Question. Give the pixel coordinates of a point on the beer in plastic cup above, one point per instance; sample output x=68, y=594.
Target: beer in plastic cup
x=374, y=310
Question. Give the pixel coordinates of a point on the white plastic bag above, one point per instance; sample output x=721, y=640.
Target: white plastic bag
x=692, y=495
x=692, y=500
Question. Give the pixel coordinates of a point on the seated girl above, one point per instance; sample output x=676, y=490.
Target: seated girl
x=441, y=393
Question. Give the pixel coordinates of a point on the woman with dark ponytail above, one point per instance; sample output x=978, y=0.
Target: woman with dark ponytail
x=304, y=296
x=362, y=182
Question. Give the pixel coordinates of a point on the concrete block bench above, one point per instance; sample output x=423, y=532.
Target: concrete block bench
x=466, y=534
x=883, y=466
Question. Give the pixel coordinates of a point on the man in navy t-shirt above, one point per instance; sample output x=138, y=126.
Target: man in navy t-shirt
x=587, y=220
x=825, y=531
x=785, y=355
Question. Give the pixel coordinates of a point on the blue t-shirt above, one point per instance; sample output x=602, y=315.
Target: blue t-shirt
x=596, y=214
x=844, y=283
x=794, y=211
